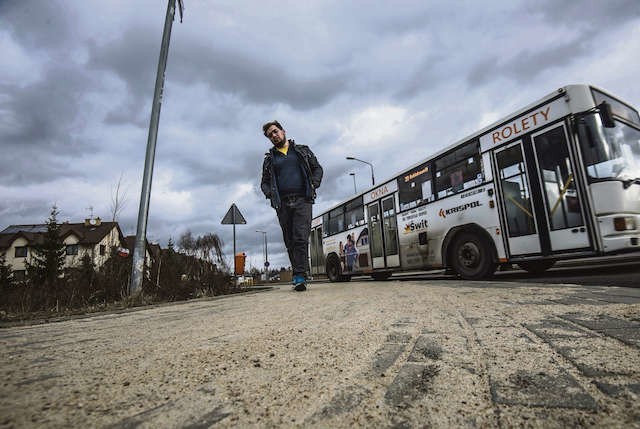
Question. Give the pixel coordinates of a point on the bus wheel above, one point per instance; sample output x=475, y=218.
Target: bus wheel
x=381, y=276
x=471, y=257
x=334, y=270
x=537, y=267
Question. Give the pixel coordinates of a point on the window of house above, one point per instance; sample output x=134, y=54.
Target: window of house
x=103, y=249
x=414, y=187
x=21, y=252
x=72, y=249
x=458, y=170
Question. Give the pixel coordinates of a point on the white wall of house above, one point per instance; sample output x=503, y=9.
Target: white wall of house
x=102, y=250
x=17, y=263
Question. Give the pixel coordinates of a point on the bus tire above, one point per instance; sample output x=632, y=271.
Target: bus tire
x=334, y=269
x=471, y=257
x=381, y=276
x=537, y=267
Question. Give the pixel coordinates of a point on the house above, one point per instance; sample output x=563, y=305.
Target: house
x=92, y=237
x=150, y=254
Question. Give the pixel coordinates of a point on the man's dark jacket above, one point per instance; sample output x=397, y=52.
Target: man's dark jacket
x=311, y=170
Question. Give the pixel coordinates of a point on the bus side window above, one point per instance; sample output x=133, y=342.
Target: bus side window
x=414, y=187
x=336, y=221
x=354, y=213
x=458, y=170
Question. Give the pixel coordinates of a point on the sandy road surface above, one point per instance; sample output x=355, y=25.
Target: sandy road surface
x=374, y=354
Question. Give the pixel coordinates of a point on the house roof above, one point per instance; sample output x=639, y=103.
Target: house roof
x=8, y=238
x=130, y=243
x=87, y=234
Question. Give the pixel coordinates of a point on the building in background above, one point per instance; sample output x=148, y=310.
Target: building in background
x=93, y=237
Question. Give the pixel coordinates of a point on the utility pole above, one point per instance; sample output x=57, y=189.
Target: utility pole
x=137, y=269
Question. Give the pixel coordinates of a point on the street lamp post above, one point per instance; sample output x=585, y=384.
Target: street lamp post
x=266, y=256
x=373, y=181
x=355, y=190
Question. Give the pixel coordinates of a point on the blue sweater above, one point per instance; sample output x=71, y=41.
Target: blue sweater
x=288, y=173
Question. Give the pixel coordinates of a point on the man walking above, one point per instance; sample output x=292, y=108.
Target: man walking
x=290, y=176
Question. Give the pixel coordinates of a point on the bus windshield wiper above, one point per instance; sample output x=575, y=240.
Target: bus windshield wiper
x=628, y=182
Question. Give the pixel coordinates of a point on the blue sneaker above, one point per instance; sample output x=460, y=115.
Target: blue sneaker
x=299, y=283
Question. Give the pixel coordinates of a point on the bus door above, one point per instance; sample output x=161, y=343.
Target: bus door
x=561, y=198
x=317, y=254
x=383, y=233
x=518, y=206
x=542, y=206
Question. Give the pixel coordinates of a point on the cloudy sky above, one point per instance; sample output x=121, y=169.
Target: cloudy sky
x=389, y=82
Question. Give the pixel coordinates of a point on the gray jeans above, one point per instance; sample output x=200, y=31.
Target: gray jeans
x=294, y=216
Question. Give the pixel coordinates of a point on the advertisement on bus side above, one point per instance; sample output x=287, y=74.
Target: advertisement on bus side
x=352, y=247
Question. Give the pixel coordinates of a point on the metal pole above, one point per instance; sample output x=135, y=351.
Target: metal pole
x=355, y=190
x=264, y=252
x=373, y=180
x=233, y=220
x=143, y=212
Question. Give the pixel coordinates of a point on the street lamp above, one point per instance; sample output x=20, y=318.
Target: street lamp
x=266, y=256
x=373, y=181
x=355, y=190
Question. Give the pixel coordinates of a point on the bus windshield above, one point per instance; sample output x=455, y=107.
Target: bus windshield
x=609, y=153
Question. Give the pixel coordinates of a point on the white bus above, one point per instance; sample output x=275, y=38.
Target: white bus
x=558, y=179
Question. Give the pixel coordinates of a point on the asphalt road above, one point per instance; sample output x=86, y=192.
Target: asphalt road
x=400, y=354
x=595, y=273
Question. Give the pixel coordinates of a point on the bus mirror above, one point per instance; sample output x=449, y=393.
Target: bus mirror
x=606, y=115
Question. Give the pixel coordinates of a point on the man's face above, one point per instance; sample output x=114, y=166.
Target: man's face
x=276, y=135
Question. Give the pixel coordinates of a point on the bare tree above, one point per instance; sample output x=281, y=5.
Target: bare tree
x=211, y=247
x=118, y=199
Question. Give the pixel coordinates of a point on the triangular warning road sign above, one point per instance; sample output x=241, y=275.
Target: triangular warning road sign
x=233, y=217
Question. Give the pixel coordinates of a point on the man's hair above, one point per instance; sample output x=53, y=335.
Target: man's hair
x=268, y=125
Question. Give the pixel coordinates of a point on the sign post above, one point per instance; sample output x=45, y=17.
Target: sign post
x=233, y=217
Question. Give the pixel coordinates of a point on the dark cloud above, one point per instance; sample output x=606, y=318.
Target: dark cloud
x=53, y=19
x=596, y=15
x=45, y=124
x=45, y=112
x=133, y=58
x=424, y=78
x=23, y=168
x=24, y=211
x=254, y=79
x=527, y=65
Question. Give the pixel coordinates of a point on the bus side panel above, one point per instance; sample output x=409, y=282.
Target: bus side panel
x=475, y=206
x=413, y=235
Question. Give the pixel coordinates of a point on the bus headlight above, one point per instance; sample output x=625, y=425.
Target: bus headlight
x=624, y=223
